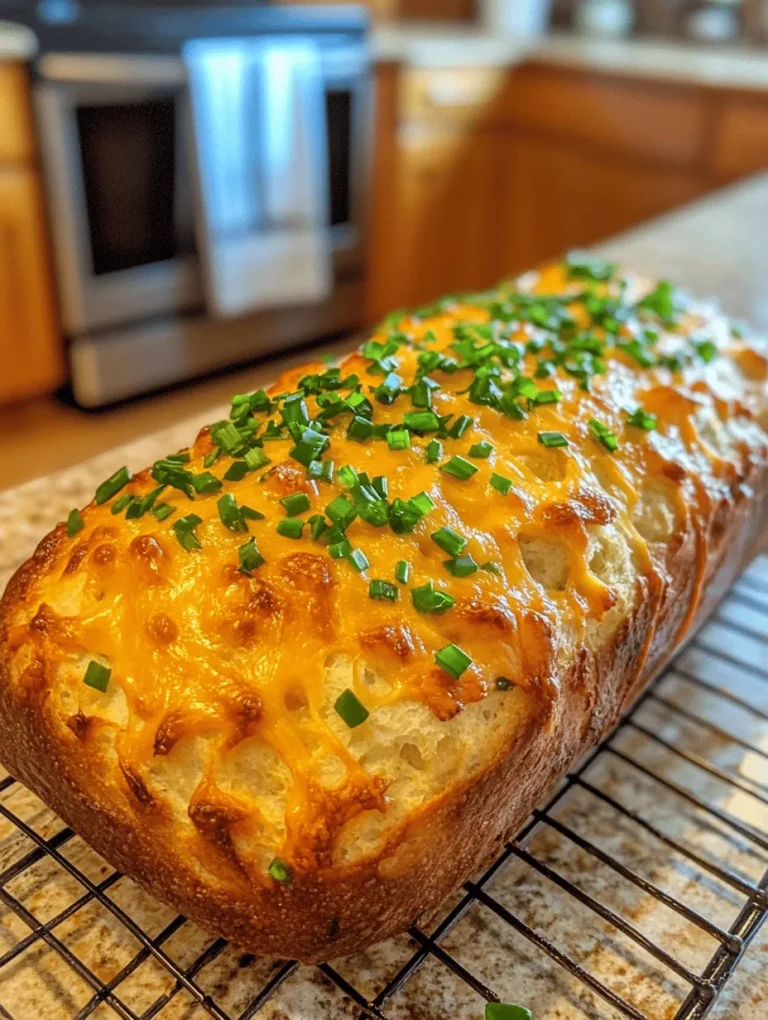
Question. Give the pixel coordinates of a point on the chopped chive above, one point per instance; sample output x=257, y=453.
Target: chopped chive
x=236, y=471
x=358, y=560
x=383, y=591
x=433, y=452
x=552, y=439
x=205, y=483
x=399, y=439
x=75, y=523
x=506, y=1011
x=296, y=504
x=501, y=484
x=113, y=485
x=449, y=541
x=381, y=485
x=250, y=557
x=184, y=530
x=351, y=709
x=481, y=450
x=179, y=458
x=422, y=502
x=421, y=421
x=97, y=676
x=121, y=503
x=230, y=514
x=548, y=397
x=360, y=428
x=290, y=527
x=280, y=871
x=461, y=567
x=256, y=458
x=402, y=571
x=317, y=526
x=453, y=660
x=602, y=433
x=491, y=568
x=250, y=514
x=642, y=420
x=212, y=457
x=427, y=600
x=309, y=447
x=341, y=510
x=706, y=350
x=459, y=468
x=163, y=510
x=347, y=477
x=225, y=435
x=460, y=426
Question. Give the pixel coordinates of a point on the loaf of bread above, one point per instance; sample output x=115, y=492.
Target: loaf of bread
x=303, y=678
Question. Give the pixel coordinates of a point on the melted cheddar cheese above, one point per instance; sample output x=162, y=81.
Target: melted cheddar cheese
x=199, y=647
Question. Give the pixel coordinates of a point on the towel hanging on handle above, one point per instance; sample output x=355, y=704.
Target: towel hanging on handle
x=258, y=118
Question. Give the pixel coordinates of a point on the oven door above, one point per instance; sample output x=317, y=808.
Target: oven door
x=114, y=141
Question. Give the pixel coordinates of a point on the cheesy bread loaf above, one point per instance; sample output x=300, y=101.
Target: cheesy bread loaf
x=301, y=679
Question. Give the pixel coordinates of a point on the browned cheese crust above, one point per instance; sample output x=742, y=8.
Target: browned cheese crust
x=138, y=770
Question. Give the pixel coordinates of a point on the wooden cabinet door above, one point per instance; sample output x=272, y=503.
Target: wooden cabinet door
x=30, y=348
x=556, y=196
x=442, y=212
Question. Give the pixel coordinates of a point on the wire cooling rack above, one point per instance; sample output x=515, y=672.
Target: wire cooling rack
x=633, y=892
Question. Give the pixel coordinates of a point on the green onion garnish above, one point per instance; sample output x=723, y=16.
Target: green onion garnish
x=256, y=458
x=121, y=503
x=163, y=510
x=250, y=557
x=491, y=568
x=230, y=513
x=290, y=527
x=97, y=676
x=463, y=566
x=113, y=485
x=212, y=457
x=459, y=468
x=358, y=560
x=236, y=471
x=706, y=350
x=421, y=421
x=422, y=502
x=75, y=523
x=402, y=571
x=205, y=483
x=427, y=600
x=501, y=484
x=548, y=397
x=317, y=525
x=184, y=530
x=481, y=450
x=341, y=510
x=453, y=660
x=450, y=541
x=383, y=591
x=460, y=426
x=351, y=709
x=601, y=432
x=506, y=1011
x=433, y=451
x=280, y=871
x=347, y=476
x=250, y=514
x=399, y=439
x=360, y=428
x=179, y=458
x=642, y=420
x=552, y=439
x=296, y=504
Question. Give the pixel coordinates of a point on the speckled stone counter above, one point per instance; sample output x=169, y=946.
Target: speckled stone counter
x=717, y=247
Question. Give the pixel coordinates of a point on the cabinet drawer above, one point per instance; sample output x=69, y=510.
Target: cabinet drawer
x=465, y=94
x=16, y=134
x=742, y=139
x=637, y=118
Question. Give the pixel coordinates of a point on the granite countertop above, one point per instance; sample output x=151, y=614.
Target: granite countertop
x=16, y=42
x=455, y=45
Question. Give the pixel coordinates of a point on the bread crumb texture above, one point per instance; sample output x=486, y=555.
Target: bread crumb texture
x=534, y=454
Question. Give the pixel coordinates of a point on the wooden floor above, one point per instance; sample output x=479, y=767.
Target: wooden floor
x=47, y=435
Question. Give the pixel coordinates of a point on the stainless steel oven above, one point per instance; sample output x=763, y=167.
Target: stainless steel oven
x=119, y=146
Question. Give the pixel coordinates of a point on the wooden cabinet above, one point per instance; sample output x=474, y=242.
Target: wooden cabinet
x=30, y=361
x=742, y=138
x=553, y=196
x=31, y=357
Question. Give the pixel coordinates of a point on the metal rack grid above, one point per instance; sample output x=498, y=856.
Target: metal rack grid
x=725, y=666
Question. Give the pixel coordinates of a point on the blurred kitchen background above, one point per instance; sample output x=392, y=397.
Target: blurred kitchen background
x=188, y=188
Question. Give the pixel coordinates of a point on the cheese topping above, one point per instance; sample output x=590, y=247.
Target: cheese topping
x=216, y=611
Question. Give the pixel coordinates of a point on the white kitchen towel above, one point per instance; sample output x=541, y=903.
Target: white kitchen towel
x=258, y=118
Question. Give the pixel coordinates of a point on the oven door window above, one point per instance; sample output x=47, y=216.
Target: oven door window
x=136, y=201
x=338, y=108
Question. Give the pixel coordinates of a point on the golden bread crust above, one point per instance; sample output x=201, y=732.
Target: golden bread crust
x=122, y=767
